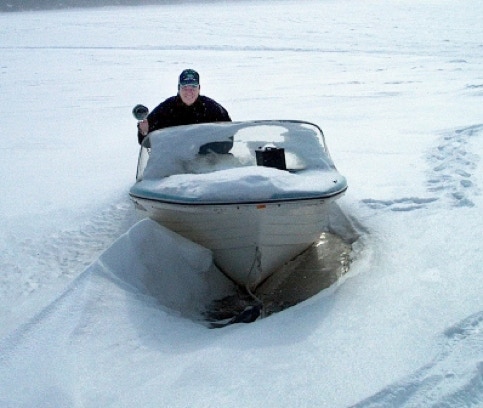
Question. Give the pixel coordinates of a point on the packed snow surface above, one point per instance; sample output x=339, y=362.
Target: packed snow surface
x=98, y=309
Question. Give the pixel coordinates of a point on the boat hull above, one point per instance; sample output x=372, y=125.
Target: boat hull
x=249, y=241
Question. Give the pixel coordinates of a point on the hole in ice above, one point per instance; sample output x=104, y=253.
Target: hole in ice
x=315, y=269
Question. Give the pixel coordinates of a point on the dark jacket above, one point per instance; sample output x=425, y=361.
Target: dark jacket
x=173, y=112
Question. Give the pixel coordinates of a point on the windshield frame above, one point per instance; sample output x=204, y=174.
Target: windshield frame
x=178, y=150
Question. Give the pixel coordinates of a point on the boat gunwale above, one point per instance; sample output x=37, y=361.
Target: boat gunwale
x=238, y=203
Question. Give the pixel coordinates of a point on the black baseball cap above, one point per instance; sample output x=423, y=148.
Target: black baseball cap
x=189, y=77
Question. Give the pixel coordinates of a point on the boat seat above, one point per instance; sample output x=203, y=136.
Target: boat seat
x=216, y=147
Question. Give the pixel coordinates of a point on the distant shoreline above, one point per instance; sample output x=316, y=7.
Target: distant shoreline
x=44, y=5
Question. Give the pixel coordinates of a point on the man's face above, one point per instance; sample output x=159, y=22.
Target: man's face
x=189, y=94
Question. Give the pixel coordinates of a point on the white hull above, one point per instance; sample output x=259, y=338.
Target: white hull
x=249, y=241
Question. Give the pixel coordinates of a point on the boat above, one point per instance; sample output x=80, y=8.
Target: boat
x=256, y=193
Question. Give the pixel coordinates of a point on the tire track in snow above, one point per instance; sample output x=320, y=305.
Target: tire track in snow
x=63, y=254
x=439, y=383
x=451, y=177
x=454, y=165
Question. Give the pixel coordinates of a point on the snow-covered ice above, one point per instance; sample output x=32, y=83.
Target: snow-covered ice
x=397, y=88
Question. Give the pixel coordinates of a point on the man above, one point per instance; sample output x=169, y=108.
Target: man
x=186, y=108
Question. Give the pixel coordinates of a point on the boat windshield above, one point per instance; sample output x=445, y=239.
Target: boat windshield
x=294, y=146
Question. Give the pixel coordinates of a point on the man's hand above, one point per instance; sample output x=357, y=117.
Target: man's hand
x=143, y=127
